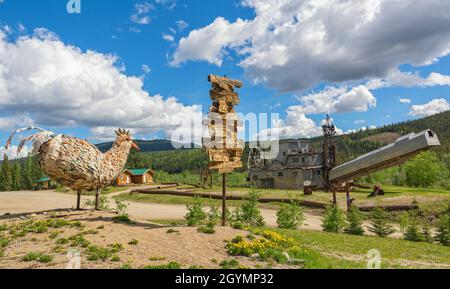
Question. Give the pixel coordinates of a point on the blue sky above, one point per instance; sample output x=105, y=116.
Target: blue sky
x=108, y=27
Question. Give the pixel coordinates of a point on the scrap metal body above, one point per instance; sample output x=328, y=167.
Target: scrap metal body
x=392, y=155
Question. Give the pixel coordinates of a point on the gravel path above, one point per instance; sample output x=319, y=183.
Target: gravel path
x=26, y=202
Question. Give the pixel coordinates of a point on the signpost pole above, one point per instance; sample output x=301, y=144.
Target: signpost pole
x=224, y=200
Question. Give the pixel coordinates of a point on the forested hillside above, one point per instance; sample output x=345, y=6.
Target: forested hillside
x=356, y=144
x=146, y=146
x=160, y=155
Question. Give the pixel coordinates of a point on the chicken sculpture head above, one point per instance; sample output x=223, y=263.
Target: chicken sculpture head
x=125, y=140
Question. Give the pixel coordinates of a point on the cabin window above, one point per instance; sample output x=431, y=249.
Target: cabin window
x=318, y=172
x=295, y=174
x=280, y=174
x=255, y=178
x=303, y=160
x=296, y=160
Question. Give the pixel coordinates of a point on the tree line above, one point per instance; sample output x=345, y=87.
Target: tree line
x=20, y=174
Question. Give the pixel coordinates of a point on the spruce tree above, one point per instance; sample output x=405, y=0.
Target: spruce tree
x=379, y=223
x=6, y=182
x=443, y=230
x=411, y=230
x=355, y=222
x=334, y=220
x=16, y=177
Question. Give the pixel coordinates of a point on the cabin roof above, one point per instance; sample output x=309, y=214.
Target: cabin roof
x=140, y=172
x=43, y=180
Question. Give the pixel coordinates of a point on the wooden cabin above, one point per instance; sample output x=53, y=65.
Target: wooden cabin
x=44, y=184
x=135, y=177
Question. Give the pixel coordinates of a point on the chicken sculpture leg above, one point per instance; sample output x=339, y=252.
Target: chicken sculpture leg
x=77, y=164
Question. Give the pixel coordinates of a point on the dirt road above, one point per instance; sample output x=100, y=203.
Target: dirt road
x=27, y=202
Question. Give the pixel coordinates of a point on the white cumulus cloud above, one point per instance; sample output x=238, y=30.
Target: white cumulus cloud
x=49, y=83
x=337, y=100
x=292, y=45
x=433, y=107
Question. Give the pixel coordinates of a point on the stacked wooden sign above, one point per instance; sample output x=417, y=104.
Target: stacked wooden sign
x=223, y=147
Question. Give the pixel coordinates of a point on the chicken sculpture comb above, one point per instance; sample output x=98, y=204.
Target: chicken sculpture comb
x=120, y=132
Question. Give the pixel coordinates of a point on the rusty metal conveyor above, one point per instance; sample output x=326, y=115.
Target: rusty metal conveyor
x=394, y=154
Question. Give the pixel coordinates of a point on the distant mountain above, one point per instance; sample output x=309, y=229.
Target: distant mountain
x=145, y=146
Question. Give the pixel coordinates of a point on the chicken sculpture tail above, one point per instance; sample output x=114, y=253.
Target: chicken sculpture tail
x=37, y=139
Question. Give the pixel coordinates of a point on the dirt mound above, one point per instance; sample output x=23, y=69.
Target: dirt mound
x=140, y=244
x=383, y=138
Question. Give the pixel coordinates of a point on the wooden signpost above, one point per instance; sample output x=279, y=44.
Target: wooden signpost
x=224, y=149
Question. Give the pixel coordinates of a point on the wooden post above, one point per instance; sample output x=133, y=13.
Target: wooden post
x=347, y=190
x=97, y=198
x=334, y=194
x=224, y=200
x=78, y=200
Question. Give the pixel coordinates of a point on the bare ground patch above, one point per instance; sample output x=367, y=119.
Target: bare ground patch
x=155, y=245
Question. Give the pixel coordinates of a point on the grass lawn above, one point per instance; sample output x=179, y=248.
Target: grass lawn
x=180, y=200
x=394, y=253
x=432, y=200
x=341, y=251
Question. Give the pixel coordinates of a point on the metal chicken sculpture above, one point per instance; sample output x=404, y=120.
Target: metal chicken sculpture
x=76, y=163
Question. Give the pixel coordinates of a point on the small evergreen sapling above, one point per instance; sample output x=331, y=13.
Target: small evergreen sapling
x=195, y=214
x=354, y=222
x=333, y=220
x=290, y=216
x=248, y=213
x=379, y=223
x=443, y=230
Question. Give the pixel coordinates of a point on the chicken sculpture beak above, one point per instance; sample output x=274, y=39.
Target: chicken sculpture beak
x=135, y=146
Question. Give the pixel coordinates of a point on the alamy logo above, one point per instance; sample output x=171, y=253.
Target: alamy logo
x=74, y=7
x=74, y=259
x=373, y=259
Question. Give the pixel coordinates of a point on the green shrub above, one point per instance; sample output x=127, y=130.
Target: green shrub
x=443, y=230
x=103, y=202
x=171, y=265
x=229, y=264
x=334, y=220
x=424, y=170
x=123, y=219
x=79, y=241
x=4, y=241
x=290, y=216
x=214, y=215
x=126, y=266
x=121, y=206
x=354, y=222
x=195, y=215
x=39, y=257
x=409, y=227
x=62, y=241
x=379, y=224
x=248, y=213
x=207, y=229
x=53, y=235
x=95, y=253
x=425, y=230
x=133, y=242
